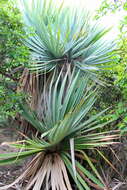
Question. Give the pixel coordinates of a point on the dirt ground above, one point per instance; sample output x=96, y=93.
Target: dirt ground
x=10, y=172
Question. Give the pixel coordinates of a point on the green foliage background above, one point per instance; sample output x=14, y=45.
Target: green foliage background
x=115, y=94
x=13, y=55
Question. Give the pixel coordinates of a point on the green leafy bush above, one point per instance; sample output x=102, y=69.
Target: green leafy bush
x=13, y=56
x=114, y=94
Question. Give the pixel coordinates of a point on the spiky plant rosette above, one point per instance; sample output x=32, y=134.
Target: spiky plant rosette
x=65, y=134
x=64, y=35
x=64, y=41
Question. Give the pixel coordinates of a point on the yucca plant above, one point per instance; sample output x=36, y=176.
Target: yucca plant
x=60, y=35
x=65, y=134
x=65, y=47
x=57, y=36
x=63, y=35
